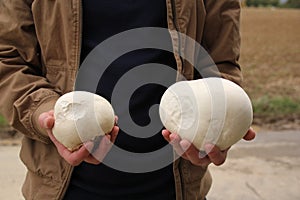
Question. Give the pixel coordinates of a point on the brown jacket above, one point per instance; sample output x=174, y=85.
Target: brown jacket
x=40, y=42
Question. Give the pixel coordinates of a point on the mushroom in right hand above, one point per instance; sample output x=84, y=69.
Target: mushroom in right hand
x=209, y=110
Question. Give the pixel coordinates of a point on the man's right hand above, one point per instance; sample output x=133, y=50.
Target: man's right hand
x=46, y=121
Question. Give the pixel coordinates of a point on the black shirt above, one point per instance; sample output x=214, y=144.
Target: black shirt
x=101, y=20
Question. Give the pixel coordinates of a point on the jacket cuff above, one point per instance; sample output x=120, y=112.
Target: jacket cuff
x=44, y=106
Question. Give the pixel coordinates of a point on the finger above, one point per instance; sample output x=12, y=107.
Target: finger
x=114, y=134
x=175, y=142
x=91, y=160
x=192, y=153
x=73, y=158
x=166, y=134
x=250, y=135
x=51, y=112
x=116, y=120
x=215, y=155
x=49, y=123
x=42, y=118
x=76, y=157
x=46, y=120
x=103, y=148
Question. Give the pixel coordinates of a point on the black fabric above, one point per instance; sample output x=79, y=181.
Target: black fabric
x=101, y=20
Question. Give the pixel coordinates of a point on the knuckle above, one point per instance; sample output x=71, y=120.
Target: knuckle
x=219, y=162
x=73, y=162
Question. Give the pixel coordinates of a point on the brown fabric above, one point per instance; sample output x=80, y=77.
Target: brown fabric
x=39, y=59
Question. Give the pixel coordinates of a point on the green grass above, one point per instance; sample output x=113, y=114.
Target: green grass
x=274, y=106
x=3, y=122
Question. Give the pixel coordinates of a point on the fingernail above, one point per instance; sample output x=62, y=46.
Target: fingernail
x=116, y=120
x=202, y=154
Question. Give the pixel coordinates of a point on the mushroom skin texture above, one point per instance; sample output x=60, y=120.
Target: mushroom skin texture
x=81, y=116
x=209, y=110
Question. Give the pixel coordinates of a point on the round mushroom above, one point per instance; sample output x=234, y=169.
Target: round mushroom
x=208, y=110
x=81, y=116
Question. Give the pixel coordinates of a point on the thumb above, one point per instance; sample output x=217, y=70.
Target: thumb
x=46, y=120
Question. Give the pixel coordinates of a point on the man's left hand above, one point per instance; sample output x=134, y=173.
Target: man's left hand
x=189, y=152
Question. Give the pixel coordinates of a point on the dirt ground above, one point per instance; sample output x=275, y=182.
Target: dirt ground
x=266, y=168
x=12, y=173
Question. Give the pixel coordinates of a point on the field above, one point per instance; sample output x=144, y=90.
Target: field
x=270, y=60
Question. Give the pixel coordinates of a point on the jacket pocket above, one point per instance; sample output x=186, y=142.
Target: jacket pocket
x=42, y=159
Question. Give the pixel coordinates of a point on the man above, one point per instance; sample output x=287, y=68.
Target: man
x=42, y=44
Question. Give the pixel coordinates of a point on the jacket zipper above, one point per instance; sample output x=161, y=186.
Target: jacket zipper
x=177, y=31
x=181, y=60
x=80, y=33
x=77, y=63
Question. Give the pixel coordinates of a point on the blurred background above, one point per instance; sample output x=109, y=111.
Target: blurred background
x=269, y=166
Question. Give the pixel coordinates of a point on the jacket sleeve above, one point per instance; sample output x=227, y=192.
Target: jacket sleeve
x=25, y=92
x=221, y=37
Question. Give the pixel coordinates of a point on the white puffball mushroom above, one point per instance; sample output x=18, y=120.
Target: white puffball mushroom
x=209, y=110
x=81, y=116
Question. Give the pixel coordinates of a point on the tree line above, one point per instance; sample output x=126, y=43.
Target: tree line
x=273, y=3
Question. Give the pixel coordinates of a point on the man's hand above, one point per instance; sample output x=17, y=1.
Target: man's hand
x=46, y=121
x=189, y=152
